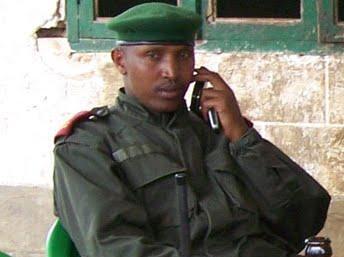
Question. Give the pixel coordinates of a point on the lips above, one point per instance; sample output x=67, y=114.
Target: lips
x=170, y=91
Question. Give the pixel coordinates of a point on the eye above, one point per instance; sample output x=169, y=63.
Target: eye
x=153, y=55
x=185, y=54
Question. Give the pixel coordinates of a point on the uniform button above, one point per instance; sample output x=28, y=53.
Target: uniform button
x=102, y=112
x=92, y=117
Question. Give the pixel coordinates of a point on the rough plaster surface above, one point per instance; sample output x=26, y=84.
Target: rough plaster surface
x=277, y=87
x=20, y=19
x=334, y=227
x=39, y=91
x=336, y=89
x=25, y=218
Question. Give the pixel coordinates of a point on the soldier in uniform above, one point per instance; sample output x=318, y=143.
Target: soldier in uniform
x=114, y=185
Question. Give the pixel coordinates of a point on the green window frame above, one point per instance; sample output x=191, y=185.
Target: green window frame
x=263, y=34
x=316, y=30
x=331, y=30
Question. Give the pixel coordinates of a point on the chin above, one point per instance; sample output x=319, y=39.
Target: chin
x=166, y=108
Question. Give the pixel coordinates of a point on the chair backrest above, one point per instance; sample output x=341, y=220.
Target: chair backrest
x=58, y=243
x=2, y=254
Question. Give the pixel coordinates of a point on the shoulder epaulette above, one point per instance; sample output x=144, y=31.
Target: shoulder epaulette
x=67, y=128
x=248, y=122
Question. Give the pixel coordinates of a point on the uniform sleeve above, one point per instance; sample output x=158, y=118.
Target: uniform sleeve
x=292, y=203
x=98, y=210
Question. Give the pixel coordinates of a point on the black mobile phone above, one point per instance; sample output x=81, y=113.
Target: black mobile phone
x=195, y=106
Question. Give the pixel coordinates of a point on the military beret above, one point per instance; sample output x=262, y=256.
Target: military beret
x=155, y=22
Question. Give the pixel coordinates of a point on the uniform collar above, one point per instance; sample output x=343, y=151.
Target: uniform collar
x=133, y=108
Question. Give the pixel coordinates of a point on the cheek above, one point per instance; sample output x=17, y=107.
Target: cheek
x=189, y=66
x=140, y=79
x=188, y=71
x=142, y=71
x=136, y=74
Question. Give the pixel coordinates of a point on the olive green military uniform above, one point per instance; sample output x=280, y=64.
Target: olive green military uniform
x=116, y=196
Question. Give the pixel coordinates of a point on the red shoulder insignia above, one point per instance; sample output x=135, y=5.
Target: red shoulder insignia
x=248, y=122
x=67, y=128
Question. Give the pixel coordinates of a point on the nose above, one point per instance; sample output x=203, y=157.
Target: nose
x=170, y=68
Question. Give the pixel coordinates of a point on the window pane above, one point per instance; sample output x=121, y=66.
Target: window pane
x=259, y=9
x=111, y=8
x=340, y=10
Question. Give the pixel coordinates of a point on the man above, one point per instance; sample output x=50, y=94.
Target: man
x=114, y=170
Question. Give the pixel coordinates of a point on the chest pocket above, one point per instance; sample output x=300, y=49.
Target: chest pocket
x=150, y=173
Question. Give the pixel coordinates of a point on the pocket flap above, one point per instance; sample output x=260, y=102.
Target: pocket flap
x=132, y=151
x=144, y=164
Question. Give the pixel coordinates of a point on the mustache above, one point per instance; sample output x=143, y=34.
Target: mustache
x=169, y=86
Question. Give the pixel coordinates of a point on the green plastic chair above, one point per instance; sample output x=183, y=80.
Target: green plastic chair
x=58, y=243
x=2, y=254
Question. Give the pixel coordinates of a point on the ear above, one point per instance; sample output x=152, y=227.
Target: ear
x=118, y=58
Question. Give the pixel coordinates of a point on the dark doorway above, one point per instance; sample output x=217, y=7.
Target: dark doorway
x=290, y=9
x=112, y=8
x=340, y=10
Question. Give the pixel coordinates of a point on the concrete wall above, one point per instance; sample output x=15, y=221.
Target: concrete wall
x=296, y=101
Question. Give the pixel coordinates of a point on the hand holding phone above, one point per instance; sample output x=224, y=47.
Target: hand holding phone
x=222, y=97
x=195, y=106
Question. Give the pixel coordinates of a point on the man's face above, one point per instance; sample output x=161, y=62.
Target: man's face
x=156, y=75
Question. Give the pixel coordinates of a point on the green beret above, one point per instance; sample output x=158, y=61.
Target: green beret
x=155, y=22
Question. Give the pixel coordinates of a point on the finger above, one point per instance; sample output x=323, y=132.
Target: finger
x=211, y=102
x=207, y=105
x=207, y=101
x=223, y=97
x=204, y=114
x=215, y=80
x=213, y=92
x=222, y=104
x=203, y=70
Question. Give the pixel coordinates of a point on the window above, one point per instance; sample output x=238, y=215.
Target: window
x=260, y=24
x=295, y=25
x=106, y=8
x=331, y=21
x=340, y=10
x=258, y=9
